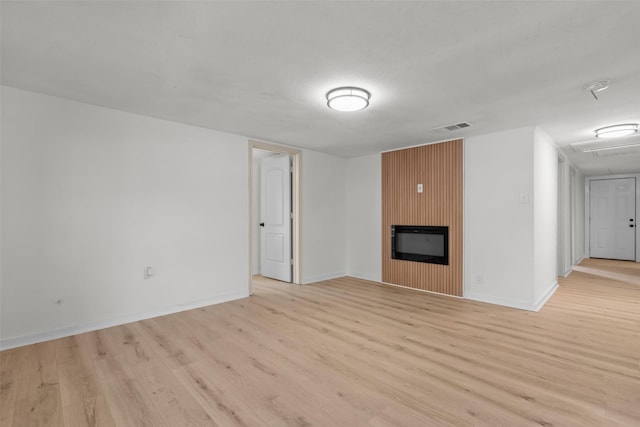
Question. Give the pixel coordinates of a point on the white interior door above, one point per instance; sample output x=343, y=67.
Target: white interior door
x=612, y=212
x=275, y=214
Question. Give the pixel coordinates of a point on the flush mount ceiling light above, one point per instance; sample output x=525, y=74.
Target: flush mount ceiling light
x=348, y=99
x=617, y=131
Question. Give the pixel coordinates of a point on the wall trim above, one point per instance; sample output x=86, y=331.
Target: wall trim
x=509, y=302
x=544, y=298
x=497, y=300
x=322, y=278
x=9, y=343
x=363, y=276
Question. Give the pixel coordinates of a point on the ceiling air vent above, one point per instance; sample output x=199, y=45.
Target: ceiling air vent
x=451, y=128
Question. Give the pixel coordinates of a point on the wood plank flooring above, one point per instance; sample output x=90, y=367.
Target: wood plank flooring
x=348, y=352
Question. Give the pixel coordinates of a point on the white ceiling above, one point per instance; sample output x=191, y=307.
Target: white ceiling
x=261, y=69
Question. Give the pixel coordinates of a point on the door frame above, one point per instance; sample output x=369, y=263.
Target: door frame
x=296, y=206
x=587, y=212
x=573, y=179
x=562, y=219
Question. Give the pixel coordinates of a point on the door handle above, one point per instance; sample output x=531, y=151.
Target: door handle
x=262, y=224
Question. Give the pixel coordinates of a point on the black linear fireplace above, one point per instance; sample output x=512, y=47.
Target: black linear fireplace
x=420, y=243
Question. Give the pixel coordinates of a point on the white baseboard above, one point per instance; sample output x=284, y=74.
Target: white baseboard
x=322, y=278
x=9, y=343
x=506, y=302
x=573, y=265
x=363, y=276
x=544, y=298
x=513, y=303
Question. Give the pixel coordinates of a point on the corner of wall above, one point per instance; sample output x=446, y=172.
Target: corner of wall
x=498, y=218
x=322, y=278
x=542, y=300
x=363, y=213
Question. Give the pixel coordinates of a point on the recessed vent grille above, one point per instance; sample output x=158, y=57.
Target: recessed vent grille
x=451, y=128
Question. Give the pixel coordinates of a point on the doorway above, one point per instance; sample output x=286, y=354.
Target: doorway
x=612, y=218
x=275, y=217
x=274, y=233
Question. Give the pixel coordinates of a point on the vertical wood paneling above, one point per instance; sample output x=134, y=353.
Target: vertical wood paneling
x=439, y=168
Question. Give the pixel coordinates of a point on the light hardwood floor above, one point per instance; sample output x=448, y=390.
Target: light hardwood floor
x=348, y=352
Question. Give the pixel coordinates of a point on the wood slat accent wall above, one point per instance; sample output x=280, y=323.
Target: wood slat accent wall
x=439, y=168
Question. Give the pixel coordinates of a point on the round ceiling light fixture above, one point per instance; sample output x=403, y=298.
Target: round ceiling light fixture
x=617, y=131
x=348, y=99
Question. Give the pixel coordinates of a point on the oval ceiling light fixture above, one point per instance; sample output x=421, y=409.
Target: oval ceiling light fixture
x=617, y=131
x=348, y=99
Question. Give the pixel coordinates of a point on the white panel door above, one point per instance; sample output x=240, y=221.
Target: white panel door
x=612, y=211
x=275, y=213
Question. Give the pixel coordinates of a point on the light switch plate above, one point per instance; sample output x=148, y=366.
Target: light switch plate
x=420, y=188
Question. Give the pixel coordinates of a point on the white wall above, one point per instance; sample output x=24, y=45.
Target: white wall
x=545, y=215
x=90, y=196
x=498, y=218
x=323, y=216
x=364, y=217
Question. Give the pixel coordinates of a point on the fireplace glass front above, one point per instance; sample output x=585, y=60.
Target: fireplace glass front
x=420, y=243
